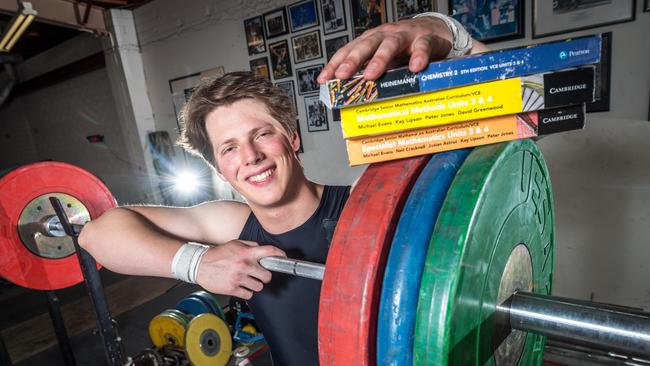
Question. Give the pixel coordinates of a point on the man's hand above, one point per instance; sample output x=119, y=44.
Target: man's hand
x=233, y=268
x=419, y=40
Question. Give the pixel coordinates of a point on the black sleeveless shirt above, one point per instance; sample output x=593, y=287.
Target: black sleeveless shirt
x=286, y=310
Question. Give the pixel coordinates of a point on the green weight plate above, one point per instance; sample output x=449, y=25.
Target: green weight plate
x=494, y=235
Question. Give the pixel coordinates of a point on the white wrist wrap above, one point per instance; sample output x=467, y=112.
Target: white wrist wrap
x=461, y=40
x=185, y=265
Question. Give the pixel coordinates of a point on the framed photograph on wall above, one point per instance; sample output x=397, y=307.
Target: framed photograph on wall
x=332, y=45
x=316, y=114
x=561, y=16
x=603, y=74
x=306, y=47
x=307, y=78
x=404, y=9
x=260, y=67
x=495, y=20
x=333, y=16
x=254, y=35
x=303, y=15
x=275, y=23
x=182, y=87
x=367, y=14
x=288, y=87
x=280, y=61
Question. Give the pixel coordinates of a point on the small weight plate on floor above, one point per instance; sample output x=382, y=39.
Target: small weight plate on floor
x=494, y=235
x=211, y=301
x=168, y=328
x=193, y=305
x=349, y=301
x=31, y=256
x=208, y=341
x=403, y=271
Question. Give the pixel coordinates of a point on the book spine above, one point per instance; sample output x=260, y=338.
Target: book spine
x=430, y=140
x=462, y=71
x=503, y=97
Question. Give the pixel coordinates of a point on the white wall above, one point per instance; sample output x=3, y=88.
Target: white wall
x=601, y=178
x=52, y=124
x=600, y=175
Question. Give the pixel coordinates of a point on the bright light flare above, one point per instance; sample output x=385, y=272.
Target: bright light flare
x=186, y=182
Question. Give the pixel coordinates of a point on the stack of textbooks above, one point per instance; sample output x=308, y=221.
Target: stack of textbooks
x=469, y=101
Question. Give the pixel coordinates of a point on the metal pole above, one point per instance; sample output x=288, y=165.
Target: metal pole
x=112, y=342
x=59, y=328
x=600, y=326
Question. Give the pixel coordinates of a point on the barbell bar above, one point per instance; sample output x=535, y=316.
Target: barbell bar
x=602, y=326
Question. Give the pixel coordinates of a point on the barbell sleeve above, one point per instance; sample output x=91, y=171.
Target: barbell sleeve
x=295, y=267
x=602, y=326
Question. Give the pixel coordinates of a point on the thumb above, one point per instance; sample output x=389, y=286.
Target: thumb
x=268, y=251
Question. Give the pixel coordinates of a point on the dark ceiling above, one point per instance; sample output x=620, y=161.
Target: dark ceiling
x=41, y=36
x=38, y=37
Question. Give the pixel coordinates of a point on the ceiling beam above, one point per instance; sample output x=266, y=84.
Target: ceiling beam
x=61, y=12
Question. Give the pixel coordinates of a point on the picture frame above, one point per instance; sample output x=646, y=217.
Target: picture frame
x=275, y=23
x=316, y=114
x=405, y=9
x=496, y=21
x=260, y=67
x=557, y=17
x=306, y=78
x=603, y=76
x=254, y=31
x=367, y=14
x=334, y=19
x=182, y=87
x=306, y=47
x=280, y=61
x=290, y=89
x=333, y=44
x=303, y=15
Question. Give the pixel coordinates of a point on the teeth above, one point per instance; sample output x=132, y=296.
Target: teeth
x=262, y=176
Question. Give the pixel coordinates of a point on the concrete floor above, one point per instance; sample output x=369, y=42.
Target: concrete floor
x=20, y=306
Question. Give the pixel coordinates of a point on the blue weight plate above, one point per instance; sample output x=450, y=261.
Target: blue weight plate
x=193, y=305
x=401, y=286
x=212, y=302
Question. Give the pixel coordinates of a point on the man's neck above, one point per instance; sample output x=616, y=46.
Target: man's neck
x=294, y=212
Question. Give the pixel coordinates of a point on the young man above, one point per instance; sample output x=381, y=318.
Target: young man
x=245, y=128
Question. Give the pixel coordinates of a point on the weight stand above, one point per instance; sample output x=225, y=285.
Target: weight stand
x=54, y=307
x=113, y=349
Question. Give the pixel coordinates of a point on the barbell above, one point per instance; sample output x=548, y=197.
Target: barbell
x=453, y=265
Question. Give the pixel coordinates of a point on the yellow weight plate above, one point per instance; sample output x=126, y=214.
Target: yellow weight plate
x=208, y=341
x=168, y=329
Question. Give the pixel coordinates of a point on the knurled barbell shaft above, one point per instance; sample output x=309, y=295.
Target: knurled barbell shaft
x=602, y=326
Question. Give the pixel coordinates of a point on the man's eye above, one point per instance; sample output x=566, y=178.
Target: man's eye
x=227, y=150
x=264, y=133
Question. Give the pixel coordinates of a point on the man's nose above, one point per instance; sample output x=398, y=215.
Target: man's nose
x=251, y=154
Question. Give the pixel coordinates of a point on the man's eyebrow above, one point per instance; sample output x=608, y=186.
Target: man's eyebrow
x=232, y=139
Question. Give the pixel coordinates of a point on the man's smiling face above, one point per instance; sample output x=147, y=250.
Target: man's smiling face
x=253, y=152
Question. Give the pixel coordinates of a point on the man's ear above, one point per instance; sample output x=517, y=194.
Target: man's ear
x=295, y=140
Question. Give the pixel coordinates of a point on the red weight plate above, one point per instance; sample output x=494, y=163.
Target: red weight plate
x=20, y=188
x=350, y=294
